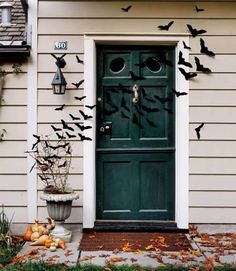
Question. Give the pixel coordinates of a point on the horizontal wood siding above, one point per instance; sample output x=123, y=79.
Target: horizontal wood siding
x=13, y=161
x=212, y=96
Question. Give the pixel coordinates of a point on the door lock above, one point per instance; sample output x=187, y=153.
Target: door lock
x=106, y=128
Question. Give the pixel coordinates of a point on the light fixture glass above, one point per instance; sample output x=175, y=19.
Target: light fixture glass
x=59, y=82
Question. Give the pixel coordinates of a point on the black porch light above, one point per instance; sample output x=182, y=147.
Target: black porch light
x=59, y=82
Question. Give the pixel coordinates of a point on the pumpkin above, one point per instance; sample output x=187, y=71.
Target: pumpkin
x=61, y=244
x=40, y=241
x=28, y=233
x=48, y=242
x=34, y=236
x=35, y=227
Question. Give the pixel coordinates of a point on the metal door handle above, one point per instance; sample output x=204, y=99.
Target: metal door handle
x=136, y=94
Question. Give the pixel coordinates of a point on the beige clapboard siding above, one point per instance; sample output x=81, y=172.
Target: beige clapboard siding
x=75, y=181
x=212, y=148
x=212, y=98
x=13, y=165
x=105, y=9
x=13, y=148
x=75, y=217
x=18, y=214
x=12, y=114
x=212, y=165
x=213, y=131
x=212, y=182
x=212, y=215
x=13, y=182
x=46, y=63
x=81, y=26
x=212, y=199
x=13, y=198
x=16, y=81
x=15, y=131
x=14, y=97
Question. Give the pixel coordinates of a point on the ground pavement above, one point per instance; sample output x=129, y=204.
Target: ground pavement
x=210, y=246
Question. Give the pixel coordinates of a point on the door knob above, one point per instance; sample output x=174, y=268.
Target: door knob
x=136, y=94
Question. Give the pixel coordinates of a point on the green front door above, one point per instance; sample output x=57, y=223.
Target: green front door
x=135, y=144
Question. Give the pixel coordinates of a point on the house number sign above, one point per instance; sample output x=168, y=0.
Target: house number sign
x=60, y=45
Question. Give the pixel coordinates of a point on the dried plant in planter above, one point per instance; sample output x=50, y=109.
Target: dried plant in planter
x=53, y=161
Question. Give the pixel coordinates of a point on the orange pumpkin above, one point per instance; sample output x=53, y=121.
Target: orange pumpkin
x=28, y=233
x=48, y=242
x=61, y=244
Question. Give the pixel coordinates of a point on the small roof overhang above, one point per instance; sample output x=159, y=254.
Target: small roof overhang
x=14, y=53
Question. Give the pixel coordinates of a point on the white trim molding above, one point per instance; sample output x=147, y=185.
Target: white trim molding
x=182, y=120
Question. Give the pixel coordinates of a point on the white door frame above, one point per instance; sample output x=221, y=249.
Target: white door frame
x=181, y=122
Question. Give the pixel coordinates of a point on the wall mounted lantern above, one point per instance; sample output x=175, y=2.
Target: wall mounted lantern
x=59, y=81
x=6, y=13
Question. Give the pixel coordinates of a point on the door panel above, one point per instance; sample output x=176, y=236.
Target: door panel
x=135, y=145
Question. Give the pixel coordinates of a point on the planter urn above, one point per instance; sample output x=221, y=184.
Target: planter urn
x=59, y=209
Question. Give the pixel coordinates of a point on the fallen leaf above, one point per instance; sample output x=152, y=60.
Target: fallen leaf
x=86, y=258
x=100, y=247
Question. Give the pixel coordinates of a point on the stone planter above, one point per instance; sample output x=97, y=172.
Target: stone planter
x=59, y=209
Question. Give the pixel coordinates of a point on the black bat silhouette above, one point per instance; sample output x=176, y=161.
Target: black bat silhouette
x=149, y=110
x=135, y=77
x=84, y=115
x=70, y=136
x=110, y=112
x=197, y=129
x=123, y=104
x=79, y=60
x=200, y=67
x=162, y=58
x=91, y=106
x=165, y=27
x=178, y=93
x=60, y=61
x=37, y=142
x=199, y=9
x=55, y=128
x=151, y=123
x=126, y=9
x=147, y=97
x=186, y=46
x=194, y=32
x=60, y=108
x=188, y=75
x=77, y=85
x=60, y=136
x=66, y=126
x=204, y=49
x=82, y=137
x=136, y=121
x=73, y=117
x=82, y=127
x=168, y=110
x=163, y=100
x=137, y=107
x=59, y=146
x=182, y=61
x=63, y=164
x=124, y=89
x=123, y=115
x=79, y=98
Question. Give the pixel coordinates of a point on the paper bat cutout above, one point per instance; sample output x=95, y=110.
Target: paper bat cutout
x=77, y=85
x=188, y=75
x=186, y=46
x=123, y=104
x=32, y=167
x=79, y=60
x=126, y=9
x=60, y=108
x=55, y=128
x=69, y=135
x=73, y=117
x=82, y=127
x=200, y=67
x=66, y=126
x=149, y=110
x=80, y=98
x=198, y=129
x=165, y=27
x=199, y=9
x=91, y=106
x=182, y=61
x=177, y=93
x=137, y=107
x=147, y=97
x=163, y=100
x=136, y=121
x=204, y=49
x=151, y=123
x=194, y=32
x=84, y=115
x=60, y=61
x=135, y=77
x=123, y=115
x=84, y=137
